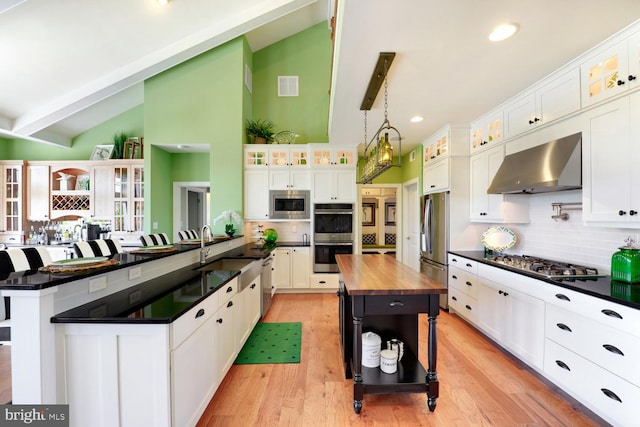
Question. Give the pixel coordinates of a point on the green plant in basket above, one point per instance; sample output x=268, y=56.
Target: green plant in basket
x=260, y=129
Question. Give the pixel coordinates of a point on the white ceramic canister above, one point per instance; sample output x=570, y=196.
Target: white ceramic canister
x=389, y=361
x=371, y=343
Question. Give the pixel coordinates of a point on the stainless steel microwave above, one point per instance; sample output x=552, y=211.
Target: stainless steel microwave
x=289, y=204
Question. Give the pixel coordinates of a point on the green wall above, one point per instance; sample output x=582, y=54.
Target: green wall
x=197, y=102
x=307, y=55
x=129, y=122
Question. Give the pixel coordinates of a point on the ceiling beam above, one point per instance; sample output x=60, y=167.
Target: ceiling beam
x=377, y=78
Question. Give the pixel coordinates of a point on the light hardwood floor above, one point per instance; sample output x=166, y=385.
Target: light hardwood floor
x=480, y=385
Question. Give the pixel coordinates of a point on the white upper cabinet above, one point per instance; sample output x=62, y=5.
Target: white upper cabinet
x=611, y=155
x=11, y=206
x=294, y=155
x=552, y=99
x=256, y=156
x=38, y=192
x=486, y=131
x=436, y=147
x=289, y=167
x=610, y=72
x=326, y=155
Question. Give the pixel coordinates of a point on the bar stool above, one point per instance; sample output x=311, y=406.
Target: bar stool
x=133, y=144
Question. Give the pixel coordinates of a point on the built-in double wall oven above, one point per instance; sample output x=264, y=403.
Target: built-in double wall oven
x=332, y=234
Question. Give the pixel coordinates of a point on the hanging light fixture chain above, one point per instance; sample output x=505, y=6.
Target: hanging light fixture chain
x=365, y=130
x=386, y=104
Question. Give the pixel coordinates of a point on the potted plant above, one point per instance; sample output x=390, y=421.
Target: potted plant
x=261, y=130
x=231, y=218
x=119, y=138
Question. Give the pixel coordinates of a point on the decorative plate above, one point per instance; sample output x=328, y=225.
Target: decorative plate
x=79, y=262
x=498, y=238
x=284, y=137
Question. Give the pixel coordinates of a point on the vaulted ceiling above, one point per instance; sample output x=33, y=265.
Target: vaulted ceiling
x=70, y=65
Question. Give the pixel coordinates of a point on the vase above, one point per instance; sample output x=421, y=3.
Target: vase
x=230, y=233
x=259, y=140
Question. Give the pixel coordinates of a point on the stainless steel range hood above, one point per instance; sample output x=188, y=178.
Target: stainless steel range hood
x=553, y=166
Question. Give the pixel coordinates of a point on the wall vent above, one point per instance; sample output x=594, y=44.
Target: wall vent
x=287, y=85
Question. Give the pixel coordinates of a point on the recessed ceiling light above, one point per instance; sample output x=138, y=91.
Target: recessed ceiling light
x=163, y=2
x=503, y=32
x=416, y=119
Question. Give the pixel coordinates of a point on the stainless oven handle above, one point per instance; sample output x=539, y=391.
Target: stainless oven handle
x=334, y=243
x=328, y=211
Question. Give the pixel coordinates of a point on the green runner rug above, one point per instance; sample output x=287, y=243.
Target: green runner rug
x=272, y=343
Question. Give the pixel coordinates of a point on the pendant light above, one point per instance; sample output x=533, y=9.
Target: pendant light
x=378, y=152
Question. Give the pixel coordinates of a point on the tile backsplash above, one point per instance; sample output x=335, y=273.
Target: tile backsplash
x=569, y=240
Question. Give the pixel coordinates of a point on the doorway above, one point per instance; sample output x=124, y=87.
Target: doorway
x=411, y=224
x=379, y=220
x=191, y=206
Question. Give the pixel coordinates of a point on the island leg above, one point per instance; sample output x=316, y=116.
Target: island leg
x=358, y=387
x=433, y=385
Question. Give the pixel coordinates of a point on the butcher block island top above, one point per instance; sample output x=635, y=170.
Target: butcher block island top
x=382, y=295
x=383, y=275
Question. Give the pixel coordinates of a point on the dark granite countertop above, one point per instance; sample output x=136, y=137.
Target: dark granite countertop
x=160, y=300
x=603, y=287
x=35, y=280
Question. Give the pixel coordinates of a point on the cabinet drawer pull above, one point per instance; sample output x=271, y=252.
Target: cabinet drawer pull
x=562, y=297
x=396, y=304
x=200, y=313
x=468, y=283
x=467, y=306
x=611, y=395
x=563, y=327
x=469, y=265
x=613, y=349
x=229, y=304
x=230, y=289
x=453, y=276
x=253, y=286
x=454, y=260
x=454, y=298
x=563, y=365
x=322, y=282
x=611, y=313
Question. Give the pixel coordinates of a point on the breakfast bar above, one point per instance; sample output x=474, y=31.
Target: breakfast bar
x=379, y=293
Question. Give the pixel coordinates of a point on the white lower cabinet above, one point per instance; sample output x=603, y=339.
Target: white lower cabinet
x=291, y=267
x=512, y=318
x=463, y=290
x=155, y=374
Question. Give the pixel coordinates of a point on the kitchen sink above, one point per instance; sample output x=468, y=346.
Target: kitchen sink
x=249, y=268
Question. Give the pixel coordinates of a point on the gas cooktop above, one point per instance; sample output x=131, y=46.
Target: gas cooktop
x=545, y=267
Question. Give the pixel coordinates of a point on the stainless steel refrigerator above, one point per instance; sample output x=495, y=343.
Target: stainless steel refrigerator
x=434, y=238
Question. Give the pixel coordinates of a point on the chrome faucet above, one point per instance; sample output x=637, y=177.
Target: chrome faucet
x=79, y=234
x=204, y=251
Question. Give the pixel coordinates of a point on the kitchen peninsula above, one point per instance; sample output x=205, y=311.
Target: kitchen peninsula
x=36, y=297
x=379, y=293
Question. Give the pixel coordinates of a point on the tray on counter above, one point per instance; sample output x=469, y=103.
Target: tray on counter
x=75, y=265
x=151, y=250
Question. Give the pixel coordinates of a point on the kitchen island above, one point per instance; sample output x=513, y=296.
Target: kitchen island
x=36, y=297
x=383, y=295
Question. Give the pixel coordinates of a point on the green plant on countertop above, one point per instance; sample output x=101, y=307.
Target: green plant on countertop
x=260, y=129
x=119, y=138
x=232, y=218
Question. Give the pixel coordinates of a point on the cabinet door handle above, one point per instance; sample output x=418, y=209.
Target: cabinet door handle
x=563, y=327
x=632, y=212
x=611, y=313
x=621, y=82
x=613, y=349
x=229, y=304
x=563, y=365
x=219, y=320
x=611, y=395
x=200, y=313
x=631, y=77
x=396, y=304
x=621, y=212
x=253, y=286
x=562, y=297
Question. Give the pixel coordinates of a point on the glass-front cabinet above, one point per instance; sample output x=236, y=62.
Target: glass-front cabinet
x=128, y=198
x=11, y=207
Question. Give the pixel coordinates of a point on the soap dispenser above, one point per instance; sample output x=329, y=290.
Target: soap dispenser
x=625, y=264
